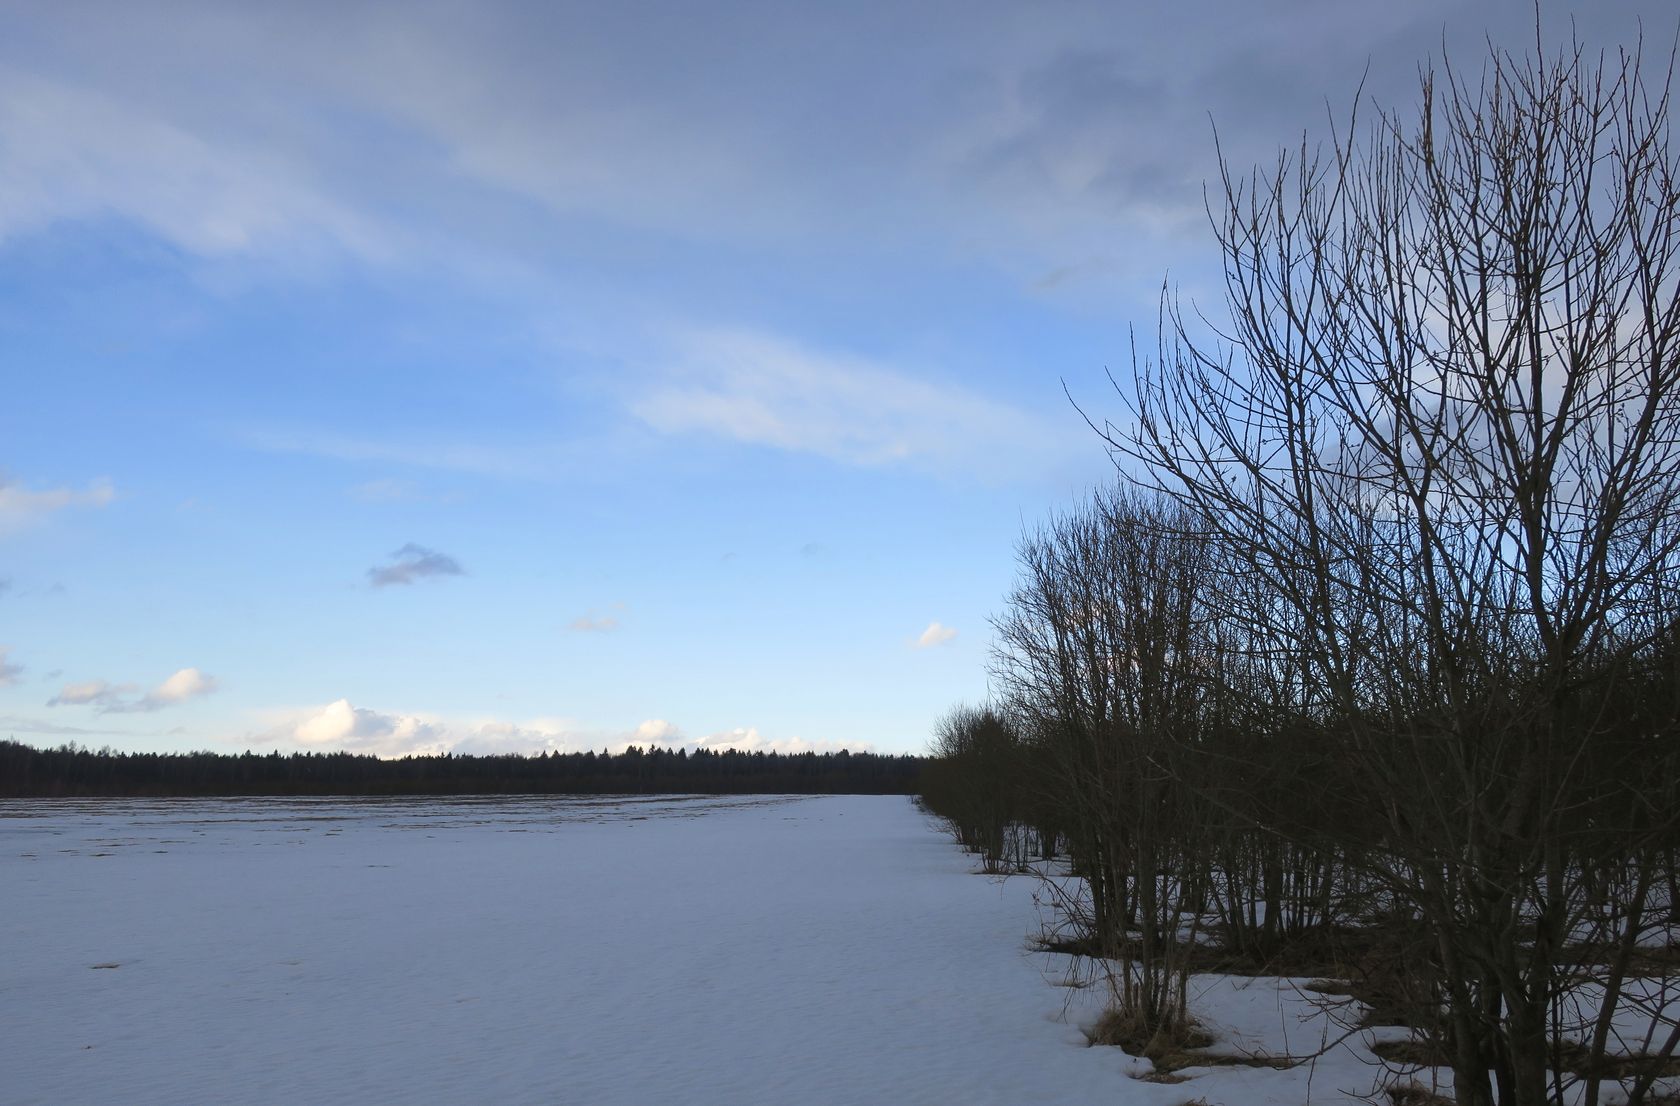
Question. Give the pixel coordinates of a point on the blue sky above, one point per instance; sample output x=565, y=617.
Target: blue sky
x=519, y=376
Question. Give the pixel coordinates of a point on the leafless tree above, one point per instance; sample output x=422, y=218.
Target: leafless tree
x=1439, y=429
x=1102, y=654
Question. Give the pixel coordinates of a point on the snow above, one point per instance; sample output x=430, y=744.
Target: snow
x=716, y=950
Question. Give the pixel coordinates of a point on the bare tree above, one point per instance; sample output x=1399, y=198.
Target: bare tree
x=1440, y=429
x=1103, y=656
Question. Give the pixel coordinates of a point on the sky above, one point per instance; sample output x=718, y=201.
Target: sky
x=506, y=377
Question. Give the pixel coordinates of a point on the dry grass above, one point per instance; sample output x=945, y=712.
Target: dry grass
x=1415, y=1094
x=1172, y=1051
x=1413, y=1053
x=1117, y=1027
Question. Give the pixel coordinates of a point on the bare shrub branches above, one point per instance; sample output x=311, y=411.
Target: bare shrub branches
x=1440, y=431
x=1384, y=652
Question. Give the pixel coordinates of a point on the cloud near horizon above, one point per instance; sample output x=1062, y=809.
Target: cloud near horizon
x=343, y=726
x=748, y=739
x=412, y=563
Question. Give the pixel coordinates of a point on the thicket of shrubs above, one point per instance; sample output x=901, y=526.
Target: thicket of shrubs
x=1372, y=665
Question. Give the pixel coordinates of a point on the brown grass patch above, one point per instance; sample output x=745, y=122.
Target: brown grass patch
x=1414, y=1052
x=1415, y=1094
x=1171, y=1052
x=1128, y=1032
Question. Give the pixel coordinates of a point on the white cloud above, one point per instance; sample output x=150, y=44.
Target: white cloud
x=9, y=672
x=341, y=726
x=494, y=738
x=935, y=634
x=748, y=739
x=657, y=731
x=590, y=624
x=558, y=735
x=765, y=390
x=21, y=506
x=188, y=683
x=108, y=698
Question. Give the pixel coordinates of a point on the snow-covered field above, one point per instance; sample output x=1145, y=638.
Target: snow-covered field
x=715, y=950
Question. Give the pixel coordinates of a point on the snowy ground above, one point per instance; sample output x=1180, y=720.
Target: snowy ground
x=820, y=950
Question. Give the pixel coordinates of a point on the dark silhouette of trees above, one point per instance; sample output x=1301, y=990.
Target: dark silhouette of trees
x=974, y=780
x=71, y=771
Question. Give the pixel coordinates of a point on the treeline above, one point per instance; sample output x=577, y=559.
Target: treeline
x=1378, y=654
x=71, y=771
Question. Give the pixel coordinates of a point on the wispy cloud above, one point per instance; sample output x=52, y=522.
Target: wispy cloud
x=21, y=506
x=9, y=673
x=93, y=693
x=391, y=490
x=463, y=457
x=385, y=491
x=765, y=390
x=17, y=723
x=413, y=563
x=934, y=635
x=593, y=624
x=75, y=152
x=108, y=698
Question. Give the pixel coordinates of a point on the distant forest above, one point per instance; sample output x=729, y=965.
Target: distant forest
x=71, y=771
